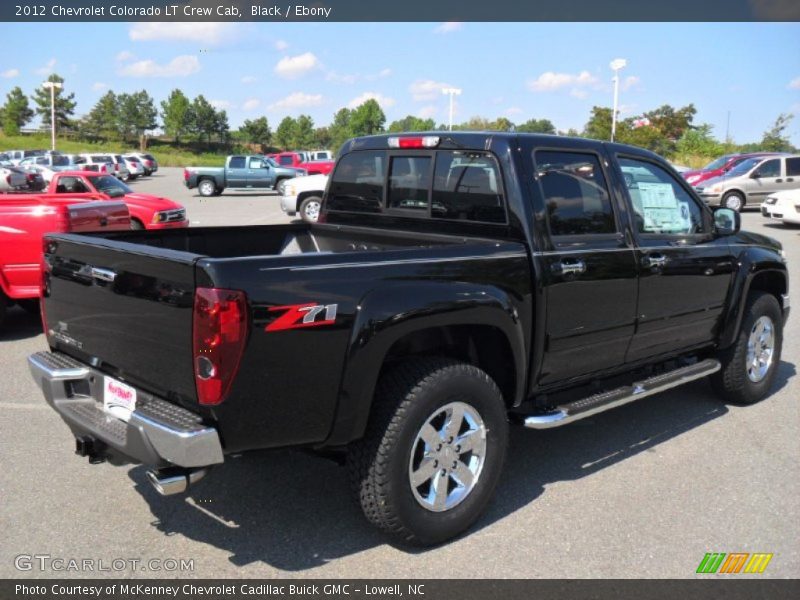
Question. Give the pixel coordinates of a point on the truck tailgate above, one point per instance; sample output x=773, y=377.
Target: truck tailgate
x=123, y=308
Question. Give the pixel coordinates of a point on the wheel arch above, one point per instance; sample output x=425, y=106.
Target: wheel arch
x=479, y=327
x=303, y=195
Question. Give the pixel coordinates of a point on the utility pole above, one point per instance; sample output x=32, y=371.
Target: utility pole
x=451, y=92
x=52, y=85
x=616, y=65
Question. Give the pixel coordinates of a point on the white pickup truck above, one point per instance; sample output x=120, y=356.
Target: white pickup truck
x=304, y=195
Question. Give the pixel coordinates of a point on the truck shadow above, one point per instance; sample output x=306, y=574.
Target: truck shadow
x=294, y=511
x=20, y=325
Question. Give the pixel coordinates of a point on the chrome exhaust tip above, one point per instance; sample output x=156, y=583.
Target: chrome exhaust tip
x=168, y=482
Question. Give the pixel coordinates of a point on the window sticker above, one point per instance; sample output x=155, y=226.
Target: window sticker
x=662, y=210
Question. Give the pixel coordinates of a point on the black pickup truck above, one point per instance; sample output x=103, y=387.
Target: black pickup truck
x=455, y=284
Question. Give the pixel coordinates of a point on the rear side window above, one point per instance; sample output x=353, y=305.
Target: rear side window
x=466, y=186
x=575, y=193
x=793, y=167
x=236, y=162
x=358, y=182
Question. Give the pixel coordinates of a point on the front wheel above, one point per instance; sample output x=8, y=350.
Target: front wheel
x=433, y=451
x=749, y=365
x=734, y=201
x=309, y=209
x=207, y=188
x=280, y=187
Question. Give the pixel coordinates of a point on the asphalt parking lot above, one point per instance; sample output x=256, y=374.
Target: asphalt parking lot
x=642, y=491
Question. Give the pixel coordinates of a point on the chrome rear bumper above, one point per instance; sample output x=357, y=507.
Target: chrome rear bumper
x=158, y=432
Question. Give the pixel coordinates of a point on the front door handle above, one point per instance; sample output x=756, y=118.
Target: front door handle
x=779, y=180
x=575, y=267
x=654, y=261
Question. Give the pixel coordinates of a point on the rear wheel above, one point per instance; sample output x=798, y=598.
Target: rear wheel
x=433, y=451
x=309, y=209
x=30, y=306
x=749, y=366
x=3, y=307
x=733, y=200
x=207, y=188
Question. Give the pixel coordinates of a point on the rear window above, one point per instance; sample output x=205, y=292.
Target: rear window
x=59, y=160
x=148, y=156
x=285, y=160
x=101, y=158
x=451, y=185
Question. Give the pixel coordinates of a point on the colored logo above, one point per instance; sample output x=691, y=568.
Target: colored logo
x=733, y=563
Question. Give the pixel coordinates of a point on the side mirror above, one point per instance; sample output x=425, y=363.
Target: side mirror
x=727, y=221
x=755, y=175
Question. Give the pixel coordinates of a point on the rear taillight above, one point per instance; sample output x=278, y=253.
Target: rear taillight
x=8, y=179
x=186, y=174
x=219, y=332
x=44, y=289
x=63, y=224
x=427, y=141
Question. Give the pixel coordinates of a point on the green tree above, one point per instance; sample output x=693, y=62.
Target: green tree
x=103, y=121
x=322, y=137
x=411, y=123
x=256, y=131
x=222, y=128
x=176, y=112
x=599, y=125
x=341, y=129
x=501, y=124
x=64, y=103
x=699, y=142
x=367, y=119
x=536, y=126
x=303, y=134
x=671, y=122
x=15, y=112
x=774, y=139
x=137, y=115
x=285, y=133
x=204, y=120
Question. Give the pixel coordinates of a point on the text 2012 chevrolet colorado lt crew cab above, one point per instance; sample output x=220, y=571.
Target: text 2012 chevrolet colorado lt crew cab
x=456, y=282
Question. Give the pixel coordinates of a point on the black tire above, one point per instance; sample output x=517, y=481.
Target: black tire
x=207, y=188
x=3, y=307
x=309, y=209
x=280, y=185
x=733, y=200
x=136, y=224
x=732, y=381
x=30, y=306
x=379, y=464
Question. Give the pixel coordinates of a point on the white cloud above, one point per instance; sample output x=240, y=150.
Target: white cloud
x=249, y=79
x=251, y=104
x=180, y=66
x=426, y=112
x=125, y=56
x=99, y=86
x=578, y=93
x=794, y=84
x=550, y=81
x=384, y=73
x=425, y=90
x=221, y=104
x=291, y=67
x=448, y=27
x=384, y=101
x=280, y=45
x=514, y=110
x=47, y=68
x=10, y=73
x=626, y=109
x=630, y=82
x=206, y=33
x=297, y=100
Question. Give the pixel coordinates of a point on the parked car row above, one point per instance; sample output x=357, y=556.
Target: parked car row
x=738, y=180
x=122, y=166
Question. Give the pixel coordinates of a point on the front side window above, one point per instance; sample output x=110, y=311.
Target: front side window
x=256, y=163
x=357, y=183
x=110, y=185
x=575, y=193
x=770, y=168
x=659, y=202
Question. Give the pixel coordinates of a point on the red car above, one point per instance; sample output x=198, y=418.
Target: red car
x=147, y=211
x=24, y=219
x=720, y=166
x=293, y=159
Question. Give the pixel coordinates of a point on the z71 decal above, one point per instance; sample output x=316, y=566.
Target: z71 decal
x=303, y=315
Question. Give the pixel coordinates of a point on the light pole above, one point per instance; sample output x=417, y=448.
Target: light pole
x=451, y=92
x=616, y=65
x=53, y=86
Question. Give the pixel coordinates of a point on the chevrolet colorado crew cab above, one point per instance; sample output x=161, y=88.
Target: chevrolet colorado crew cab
x=455, y=283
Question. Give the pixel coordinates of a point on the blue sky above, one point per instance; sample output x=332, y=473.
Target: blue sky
x=518, y=70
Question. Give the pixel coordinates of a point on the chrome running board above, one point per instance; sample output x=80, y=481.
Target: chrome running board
x=603, y=401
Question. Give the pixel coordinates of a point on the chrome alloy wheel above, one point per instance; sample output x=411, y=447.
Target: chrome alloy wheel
x=447, y=457
x=312, y=210
x=760, y=349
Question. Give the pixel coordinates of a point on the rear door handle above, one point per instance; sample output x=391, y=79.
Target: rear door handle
x=779, y=180
x=574, y=267
x=789, y=179
x=654, y=261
